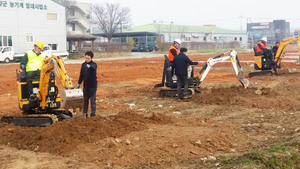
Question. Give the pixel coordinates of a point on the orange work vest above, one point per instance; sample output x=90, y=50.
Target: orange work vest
x=258, y=49
x=171, y=57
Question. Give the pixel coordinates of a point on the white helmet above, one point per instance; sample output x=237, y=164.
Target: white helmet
x=177, y=41
x=264, y=39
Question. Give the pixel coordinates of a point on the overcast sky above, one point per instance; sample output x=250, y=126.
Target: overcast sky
x=231, y=14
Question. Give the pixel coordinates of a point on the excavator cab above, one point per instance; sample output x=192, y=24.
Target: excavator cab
x=265, y=61
x=29, y=106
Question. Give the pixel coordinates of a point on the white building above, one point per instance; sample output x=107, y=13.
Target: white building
x=188, y=33
x=25, y=21
x=79, y=25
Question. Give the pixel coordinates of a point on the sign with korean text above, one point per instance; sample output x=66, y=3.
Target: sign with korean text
x=13, y=4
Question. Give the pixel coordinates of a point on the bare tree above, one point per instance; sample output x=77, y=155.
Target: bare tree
x=109, y=18
x=182, y=30
x=170, y=31
x=157, y=26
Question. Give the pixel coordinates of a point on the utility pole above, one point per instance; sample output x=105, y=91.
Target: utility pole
x=241, y=22
x=121, y=26
x=170, y=30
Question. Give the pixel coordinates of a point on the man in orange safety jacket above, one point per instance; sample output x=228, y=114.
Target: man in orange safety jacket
x=261, y=47
x=173, y=51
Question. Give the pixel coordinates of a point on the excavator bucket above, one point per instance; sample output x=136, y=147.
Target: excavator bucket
x=72, y=99
x=244, y=81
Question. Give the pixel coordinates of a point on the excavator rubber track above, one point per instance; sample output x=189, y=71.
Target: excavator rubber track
x=261, y=73
x=173, y=92
x=36, y=120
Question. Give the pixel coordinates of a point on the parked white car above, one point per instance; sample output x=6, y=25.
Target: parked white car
x=6, y=54
x=49, y=52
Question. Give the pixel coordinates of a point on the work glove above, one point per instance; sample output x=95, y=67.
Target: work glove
x=88, y=66
x=78, y=86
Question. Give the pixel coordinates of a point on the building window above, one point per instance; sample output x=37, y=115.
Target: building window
x=235, y=38
x=29, y=39
x=52, y=16
x=72, y=12
x=7, y=41
x=4, y=40
x=53, y=46
x=204, y=38
x=241, y=39
x=215, y=38
x=9, y=38
x=73, y=26
x=187, y=39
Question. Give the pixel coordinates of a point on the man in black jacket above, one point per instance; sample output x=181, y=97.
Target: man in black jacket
x=275, y=48
x=180, y=63
x=88, y=74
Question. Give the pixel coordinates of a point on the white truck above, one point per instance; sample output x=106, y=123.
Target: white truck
x=49, y=52
x=7, y=54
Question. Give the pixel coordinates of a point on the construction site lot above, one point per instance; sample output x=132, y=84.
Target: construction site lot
x=135, y=128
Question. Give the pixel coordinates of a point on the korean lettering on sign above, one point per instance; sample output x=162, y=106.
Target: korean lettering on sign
x=12, y=4
x=3, y=3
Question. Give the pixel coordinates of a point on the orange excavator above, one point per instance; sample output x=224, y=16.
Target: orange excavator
x=45, y=109
x=270, y=61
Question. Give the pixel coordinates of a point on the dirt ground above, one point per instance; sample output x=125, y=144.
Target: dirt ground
x=135, y=128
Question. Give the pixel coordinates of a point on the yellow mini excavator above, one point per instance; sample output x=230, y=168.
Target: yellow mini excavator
x=270, y=61
x=45, y=108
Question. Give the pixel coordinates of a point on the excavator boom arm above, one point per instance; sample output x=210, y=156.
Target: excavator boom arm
x=56, y=63
x=220, y=58
x=282, y=46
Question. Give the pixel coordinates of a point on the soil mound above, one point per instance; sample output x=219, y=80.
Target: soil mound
x=61, y=137
x=232, y=95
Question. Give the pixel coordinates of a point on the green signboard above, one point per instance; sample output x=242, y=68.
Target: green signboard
x=11, y=4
